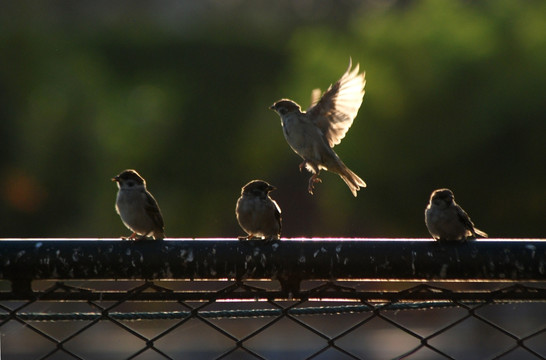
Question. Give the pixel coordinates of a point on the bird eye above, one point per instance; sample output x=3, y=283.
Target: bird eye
x=130, y=183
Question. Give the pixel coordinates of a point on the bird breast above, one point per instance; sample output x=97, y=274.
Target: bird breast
x=130, y=206
x=303, y=137
x=256, y=215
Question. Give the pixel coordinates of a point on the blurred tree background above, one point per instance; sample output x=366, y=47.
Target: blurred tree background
x=179, y=90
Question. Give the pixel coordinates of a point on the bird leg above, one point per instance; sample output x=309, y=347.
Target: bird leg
x=132, y=237
x=312, y=180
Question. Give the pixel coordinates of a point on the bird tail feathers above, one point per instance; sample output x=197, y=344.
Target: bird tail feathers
x=480, y=233
x=353, y=181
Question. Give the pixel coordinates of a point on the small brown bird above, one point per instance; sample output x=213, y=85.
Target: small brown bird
x=312, y=134
x=137, y=207
x=446, y=220
x=258, y=214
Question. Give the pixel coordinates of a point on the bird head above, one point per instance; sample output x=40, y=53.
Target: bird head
x=258, y=188
x=442, y=197
x=285, y=106
x=129, y=178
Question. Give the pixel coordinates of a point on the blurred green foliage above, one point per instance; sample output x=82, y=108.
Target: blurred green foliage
x=180, y=91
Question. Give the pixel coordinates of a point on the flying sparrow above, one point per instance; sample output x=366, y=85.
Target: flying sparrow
x=137, y=207
x=446, y=220
x=258, y=214
x=312, y=134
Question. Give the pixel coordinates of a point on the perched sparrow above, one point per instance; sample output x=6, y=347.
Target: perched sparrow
x=137, y=207
x=257, y=213
x=448, y=221
x=313, y=134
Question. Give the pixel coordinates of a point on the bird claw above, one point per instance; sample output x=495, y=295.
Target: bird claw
x=137, y=237
x=133, y=236
x=314, y=179
x=302, y=165
x=260, y=239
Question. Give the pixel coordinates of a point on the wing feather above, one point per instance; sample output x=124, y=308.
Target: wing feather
x=153, y=209
x=278, y=217
x=336, y=110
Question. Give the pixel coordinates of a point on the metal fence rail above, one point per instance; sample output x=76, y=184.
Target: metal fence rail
x=297, y=298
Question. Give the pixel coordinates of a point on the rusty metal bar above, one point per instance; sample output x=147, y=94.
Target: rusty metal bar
x=288, y=260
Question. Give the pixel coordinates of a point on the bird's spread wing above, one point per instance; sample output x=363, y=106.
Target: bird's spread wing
x=335, y=111
x=153, y=210
x=315, y=97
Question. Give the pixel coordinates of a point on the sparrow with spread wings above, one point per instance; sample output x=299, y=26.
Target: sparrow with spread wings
x=312, y=134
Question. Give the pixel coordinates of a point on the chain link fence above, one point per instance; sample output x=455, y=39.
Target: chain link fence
x=296, y=299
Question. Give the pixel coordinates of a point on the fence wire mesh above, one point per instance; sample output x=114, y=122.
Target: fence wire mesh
x=259, y=319
x=238, y=320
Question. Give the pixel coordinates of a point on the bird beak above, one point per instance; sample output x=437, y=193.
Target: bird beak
x=271, y=188
x=116, y=179
x=272, y=107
